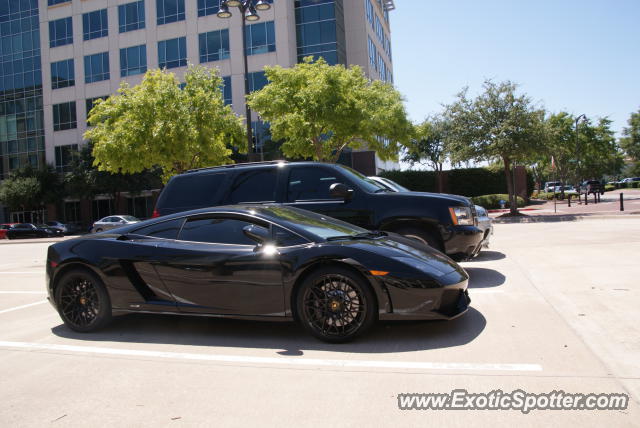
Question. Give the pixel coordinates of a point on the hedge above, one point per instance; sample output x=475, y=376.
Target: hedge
x=467, y=182
x=491, y=202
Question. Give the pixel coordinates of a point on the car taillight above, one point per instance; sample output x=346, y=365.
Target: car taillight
x=155, y=214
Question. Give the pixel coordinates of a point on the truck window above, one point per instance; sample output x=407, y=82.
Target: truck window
x=254, y=186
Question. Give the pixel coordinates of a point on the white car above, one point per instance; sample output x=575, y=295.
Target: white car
x=568, y=190
x=550, y=185
x=113, y=221
x=389, y=184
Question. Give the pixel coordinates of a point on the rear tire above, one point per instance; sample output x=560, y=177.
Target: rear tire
x=82, y=300
x=335, y=305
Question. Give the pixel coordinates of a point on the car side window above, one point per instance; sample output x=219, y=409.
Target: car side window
x=166, y=229
x=310, y=184
x=284, y=238
x=254, y=186
x=216, y=230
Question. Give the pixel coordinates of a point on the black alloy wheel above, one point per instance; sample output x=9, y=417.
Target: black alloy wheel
x=335, y=305
x=82, y=301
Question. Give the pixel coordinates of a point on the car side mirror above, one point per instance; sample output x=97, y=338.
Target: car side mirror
x=339, y=190
x=257, y=233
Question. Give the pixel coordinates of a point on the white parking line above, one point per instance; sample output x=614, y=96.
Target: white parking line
x=23, y=292
x=22, y=273
x=275, y=361
x=23, y=306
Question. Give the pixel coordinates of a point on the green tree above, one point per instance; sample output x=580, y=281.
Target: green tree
x=319, y=110
x=598, y=151
x=630, y=143
x=84, y=180
x=156, y=123
x=429, y=145
x=30, y=188
x=498, y=125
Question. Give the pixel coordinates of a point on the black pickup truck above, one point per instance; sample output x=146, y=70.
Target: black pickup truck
x=591, y=187
x=448, y=223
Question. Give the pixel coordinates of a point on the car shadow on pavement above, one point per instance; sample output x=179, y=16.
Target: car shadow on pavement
x=484, y=278
x=488, y=255
x=284, y=338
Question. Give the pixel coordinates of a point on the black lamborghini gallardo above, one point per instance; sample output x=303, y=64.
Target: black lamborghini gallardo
x=255, y=262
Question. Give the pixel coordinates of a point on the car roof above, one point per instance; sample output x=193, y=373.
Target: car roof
x=252, y=165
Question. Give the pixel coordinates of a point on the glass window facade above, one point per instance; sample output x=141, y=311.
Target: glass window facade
x=226, y=90
x=261, y=38
x=64, y=116
x=64, y=156
x=96, y=67
x=257, y=81
x=60, y=32
x=214, y=45
x=90, y=102
x=133, y=60
x=172, y=53
x=261, y=134
x=320, y=30
x=169, y=11
x=54, y=2
x=131, y=16
x=62, y=74
x=95, y=24
x=208, y=7
x=21, y=110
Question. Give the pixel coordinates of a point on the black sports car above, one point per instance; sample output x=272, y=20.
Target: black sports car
x=257, y=262
x=29, y=230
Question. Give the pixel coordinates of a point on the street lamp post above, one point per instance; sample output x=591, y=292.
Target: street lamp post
x=248, y=10
x=583, y=117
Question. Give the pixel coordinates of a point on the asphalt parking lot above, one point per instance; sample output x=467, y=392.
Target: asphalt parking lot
x=554, y=307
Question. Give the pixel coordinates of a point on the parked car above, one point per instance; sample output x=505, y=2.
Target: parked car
x=390, y=184
x=3, y=229
x=66, y=228
x=445, y=222
x=268, y=262
x=111, y=222
x=550, y=185
x=568, y=190
x=591, y=187
x=629, y=180
x=30, y=230
x=485, y=223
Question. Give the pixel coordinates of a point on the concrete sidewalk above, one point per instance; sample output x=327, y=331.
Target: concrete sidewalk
x=609, y=205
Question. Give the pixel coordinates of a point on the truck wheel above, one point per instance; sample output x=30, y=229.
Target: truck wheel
x=424, y=236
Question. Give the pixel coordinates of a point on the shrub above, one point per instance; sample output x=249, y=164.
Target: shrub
x=467, y=182
x=635, y=184
x=491, y=202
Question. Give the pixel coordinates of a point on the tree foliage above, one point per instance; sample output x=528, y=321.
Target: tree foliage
x=319, y=110
x=156, y=123
x=30, y=188
x=85, y=181
x=498, y=124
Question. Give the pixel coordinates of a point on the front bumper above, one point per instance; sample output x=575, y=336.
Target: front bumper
x=465, y=241
x=413, y=299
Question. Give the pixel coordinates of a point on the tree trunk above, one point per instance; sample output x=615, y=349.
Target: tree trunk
x=439, y=177
x=513, y=204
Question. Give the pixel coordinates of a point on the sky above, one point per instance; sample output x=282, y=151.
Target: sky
x=566, y=55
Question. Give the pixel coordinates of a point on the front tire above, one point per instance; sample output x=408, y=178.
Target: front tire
x=82, y=301
x=335, y=305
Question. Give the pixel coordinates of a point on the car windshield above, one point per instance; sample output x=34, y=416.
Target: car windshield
x=130, y=218
x=365, y=182
x=316, y=224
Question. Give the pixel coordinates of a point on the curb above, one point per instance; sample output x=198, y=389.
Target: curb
x=565, y=217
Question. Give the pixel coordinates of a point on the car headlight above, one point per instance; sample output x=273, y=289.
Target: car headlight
x=461, y=216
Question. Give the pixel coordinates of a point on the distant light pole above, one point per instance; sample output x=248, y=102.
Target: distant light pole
x=248, y=10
